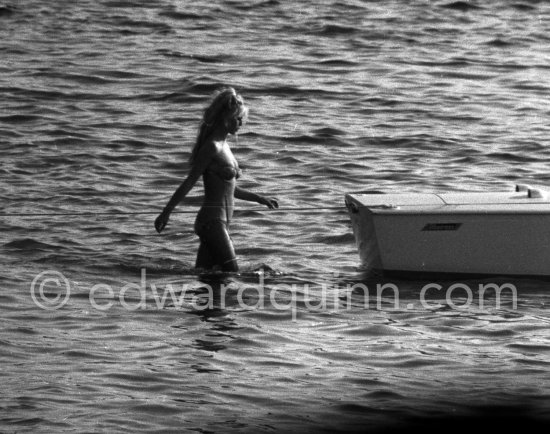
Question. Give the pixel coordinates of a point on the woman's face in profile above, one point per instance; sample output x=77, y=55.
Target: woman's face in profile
x=233, y=123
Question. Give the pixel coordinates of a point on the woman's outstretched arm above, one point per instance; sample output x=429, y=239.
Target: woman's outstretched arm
x=241, y=193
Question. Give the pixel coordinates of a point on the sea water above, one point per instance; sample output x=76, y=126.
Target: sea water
x=107, y=327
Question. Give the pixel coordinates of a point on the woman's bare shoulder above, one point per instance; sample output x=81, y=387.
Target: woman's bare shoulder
x=212, y=147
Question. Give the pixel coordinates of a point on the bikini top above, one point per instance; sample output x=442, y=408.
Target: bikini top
x=226, y=171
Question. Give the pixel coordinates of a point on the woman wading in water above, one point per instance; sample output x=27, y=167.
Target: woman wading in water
x=212, y=158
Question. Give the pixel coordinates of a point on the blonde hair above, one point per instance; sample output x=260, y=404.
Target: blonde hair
x=226, y=103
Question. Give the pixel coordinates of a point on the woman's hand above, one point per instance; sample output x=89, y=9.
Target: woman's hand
x=162, y=220
x=269, y=202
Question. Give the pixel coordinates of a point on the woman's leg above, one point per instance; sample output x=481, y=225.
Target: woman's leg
x=216, y=247
x=204, y=258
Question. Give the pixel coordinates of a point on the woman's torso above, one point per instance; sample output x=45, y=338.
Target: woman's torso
x=219, y=188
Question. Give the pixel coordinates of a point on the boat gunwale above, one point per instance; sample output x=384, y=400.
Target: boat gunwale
x=451, y=210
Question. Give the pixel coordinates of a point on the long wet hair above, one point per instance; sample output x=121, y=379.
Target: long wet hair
x=225, y=104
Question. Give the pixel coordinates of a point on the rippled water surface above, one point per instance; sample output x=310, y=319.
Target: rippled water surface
x=100, y=106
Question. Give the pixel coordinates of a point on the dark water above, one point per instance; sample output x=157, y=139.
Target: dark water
x=100, y=105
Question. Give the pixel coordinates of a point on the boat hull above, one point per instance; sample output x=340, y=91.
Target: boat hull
x=439, y=235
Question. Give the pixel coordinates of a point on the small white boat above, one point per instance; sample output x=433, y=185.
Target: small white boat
x=458, y=233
